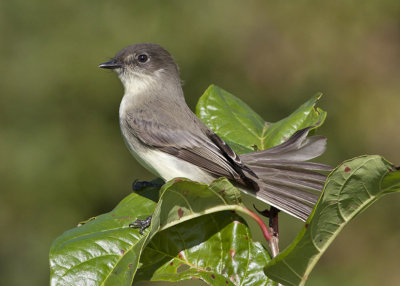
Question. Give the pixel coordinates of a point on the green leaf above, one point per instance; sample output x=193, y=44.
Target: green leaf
x=216, y=248
x=350, y=189
x=243, y=129
x=182, y=200
x=106, y=251
x=391, y=182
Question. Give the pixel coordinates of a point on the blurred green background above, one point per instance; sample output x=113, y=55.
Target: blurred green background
x=62, y=156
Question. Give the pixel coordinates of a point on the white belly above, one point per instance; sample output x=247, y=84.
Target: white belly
x=163, y=164
x=168, y=167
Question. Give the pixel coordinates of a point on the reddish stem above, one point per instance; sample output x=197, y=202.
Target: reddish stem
x=262, y=225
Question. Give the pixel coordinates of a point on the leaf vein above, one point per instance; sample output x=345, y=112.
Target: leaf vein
x=183, y=197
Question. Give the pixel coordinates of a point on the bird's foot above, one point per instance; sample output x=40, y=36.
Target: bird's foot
x=138, y=185
x=141, y=224
x=272, y=214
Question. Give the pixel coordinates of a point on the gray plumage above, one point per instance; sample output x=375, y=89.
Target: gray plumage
x=168, y=139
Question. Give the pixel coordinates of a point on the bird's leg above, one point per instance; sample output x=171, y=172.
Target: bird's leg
x=145, y=223
x=273, y=221
x=272, y=215
x=141, y=224
x=138, y=185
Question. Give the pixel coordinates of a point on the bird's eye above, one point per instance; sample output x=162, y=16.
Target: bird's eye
x=143, y=58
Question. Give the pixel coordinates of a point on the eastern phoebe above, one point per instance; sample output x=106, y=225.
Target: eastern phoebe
x=167, y=138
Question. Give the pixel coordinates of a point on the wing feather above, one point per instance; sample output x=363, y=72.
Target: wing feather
x=192, y=146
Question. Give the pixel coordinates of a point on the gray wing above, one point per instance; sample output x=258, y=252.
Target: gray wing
x=279, y=175
x=191, y=143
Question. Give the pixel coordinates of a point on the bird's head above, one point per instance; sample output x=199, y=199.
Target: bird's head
x=142, y=65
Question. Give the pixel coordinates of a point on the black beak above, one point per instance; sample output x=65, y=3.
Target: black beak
x=110, y=65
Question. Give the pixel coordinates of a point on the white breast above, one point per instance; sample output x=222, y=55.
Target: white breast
x=168, y=167
x=165, y=165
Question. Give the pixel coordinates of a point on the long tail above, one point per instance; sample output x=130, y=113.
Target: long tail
x=286, y=181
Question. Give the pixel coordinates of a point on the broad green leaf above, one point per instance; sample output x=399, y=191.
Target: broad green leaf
x=216, y=248
x=243, y=129
x=391, y=182
x=182, y=200
x=350, y=188
x=106, y=251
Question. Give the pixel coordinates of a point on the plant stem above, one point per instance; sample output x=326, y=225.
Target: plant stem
x=259, y=221
x=272, y=215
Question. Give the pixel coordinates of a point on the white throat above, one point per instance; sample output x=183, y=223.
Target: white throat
x=137, y=86
x=135, y=83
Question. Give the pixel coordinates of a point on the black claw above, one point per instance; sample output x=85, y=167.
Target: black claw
x=264, y=213
x=138, y=185
x=272, y=215
x=141, y=224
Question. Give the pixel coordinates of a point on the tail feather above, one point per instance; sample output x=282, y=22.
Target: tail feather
x=298, y=195
x=289, y=204
x=299, y=178
x=297, y=148
x=287, y=164
x=285, y=180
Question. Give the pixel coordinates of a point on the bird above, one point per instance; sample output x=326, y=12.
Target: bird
x=169, y=140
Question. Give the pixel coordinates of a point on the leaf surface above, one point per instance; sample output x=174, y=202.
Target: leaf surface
x=106, y=251
x=349, y=190
x=243, y=129
x=103, y=251
x=216, y=248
